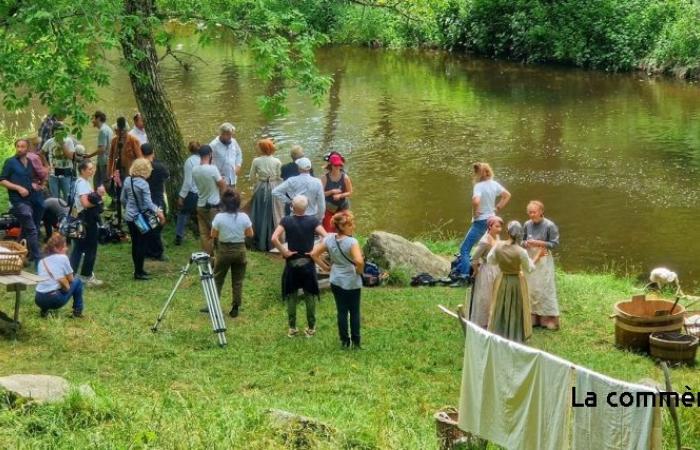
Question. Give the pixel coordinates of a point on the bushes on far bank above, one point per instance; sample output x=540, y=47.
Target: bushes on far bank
x=616, y=35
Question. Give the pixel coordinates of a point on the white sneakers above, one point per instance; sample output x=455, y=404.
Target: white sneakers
x=92, y=281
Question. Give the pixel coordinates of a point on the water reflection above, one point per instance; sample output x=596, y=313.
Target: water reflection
x=615, y=158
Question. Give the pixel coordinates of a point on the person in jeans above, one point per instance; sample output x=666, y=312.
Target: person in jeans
x=187, y=199
x=87, y=204
x=156, y=183
x=59, y=285
x=229, y=230
x=347, y=264
x=299, y=268
x=60, y=154
x=27, y=203
x=486, y=192
x=136, y=196
x=210, y=184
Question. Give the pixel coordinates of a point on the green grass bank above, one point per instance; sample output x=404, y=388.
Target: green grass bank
x=176, y=389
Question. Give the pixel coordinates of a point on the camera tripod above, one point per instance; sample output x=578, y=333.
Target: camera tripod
x=211, y=296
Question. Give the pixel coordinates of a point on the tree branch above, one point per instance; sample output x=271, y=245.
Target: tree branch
x=394, y=7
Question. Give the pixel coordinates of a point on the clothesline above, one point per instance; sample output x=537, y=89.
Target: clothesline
x=555, y=357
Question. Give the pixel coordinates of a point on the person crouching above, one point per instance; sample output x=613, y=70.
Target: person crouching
x=299, y=269
x=60, y=284
x=228, y=231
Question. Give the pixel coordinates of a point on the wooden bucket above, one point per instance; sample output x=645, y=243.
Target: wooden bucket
x=635, y=320
x=450, y=436
x=674, y=347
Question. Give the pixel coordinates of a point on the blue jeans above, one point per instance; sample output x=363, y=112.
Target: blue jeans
x=58, y=298
x=60, y=186
x=476, y=231
x=189, y=207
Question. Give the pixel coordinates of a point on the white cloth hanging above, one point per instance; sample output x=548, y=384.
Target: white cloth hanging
x=513, y=395
x=610, y=428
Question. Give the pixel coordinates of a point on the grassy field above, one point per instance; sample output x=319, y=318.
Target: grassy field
x=176, y=389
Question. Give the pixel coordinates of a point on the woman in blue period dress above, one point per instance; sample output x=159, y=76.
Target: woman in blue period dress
x=510, y=308
x=541, y=234
x=266, y=211
x=486, y=192
x=482, y=291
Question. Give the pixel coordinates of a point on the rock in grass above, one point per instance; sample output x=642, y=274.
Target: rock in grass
x=300, y=424
x=37, y=389
x=391, y=251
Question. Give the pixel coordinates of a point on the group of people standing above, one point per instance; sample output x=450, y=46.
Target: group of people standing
x=514, y=286
x=288, y=202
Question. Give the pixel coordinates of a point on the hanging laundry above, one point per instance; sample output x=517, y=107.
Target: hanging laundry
x=513, y=395
x=610, y=428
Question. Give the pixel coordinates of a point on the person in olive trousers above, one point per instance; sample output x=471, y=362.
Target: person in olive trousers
x=229, y=230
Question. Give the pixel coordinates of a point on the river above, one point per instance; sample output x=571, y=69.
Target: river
x=615, y=158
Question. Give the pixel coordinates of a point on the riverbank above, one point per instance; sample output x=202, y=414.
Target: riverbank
x=657, y=36
x=177, y=389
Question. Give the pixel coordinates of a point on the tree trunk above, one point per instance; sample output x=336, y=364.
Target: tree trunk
x=141, y=57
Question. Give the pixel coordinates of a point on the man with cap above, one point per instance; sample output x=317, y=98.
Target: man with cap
x=306, y=185
x=210, y=184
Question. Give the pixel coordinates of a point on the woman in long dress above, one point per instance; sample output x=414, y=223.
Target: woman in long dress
x=266, y=211
x=485, y=274
x=510, y=310
x=541, y=234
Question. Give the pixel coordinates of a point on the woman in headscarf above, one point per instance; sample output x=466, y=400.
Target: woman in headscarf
x=510, y=310
x=485, y=274
x=542, y=235
x=266, y=211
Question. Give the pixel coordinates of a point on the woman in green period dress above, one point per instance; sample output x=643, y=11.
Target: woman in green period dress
x=510, y=308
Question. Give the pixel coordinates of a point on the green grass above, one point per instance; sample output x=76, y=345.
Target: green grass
x=177, y=389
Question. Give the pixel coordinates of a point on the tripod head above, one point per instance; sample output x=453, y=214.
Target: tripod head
x=200, y=257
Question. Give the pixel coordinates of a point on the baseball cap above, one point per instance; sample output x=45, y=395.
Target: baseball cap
x=335, y=160
x=303, y=163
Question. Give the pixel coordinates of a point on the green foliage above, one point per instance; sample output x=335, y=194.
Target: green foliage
x=677, y=48
x=603, y=34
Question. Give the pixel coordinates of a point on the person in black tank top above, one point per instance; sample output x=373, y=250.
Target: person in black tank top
x=299, y=269
x=337, y=188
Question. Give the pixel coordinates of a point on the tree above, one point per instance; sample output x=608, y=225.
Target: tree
x=59, y=52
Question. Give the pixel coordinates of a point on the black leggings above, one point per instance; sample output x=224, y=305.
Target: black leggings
x=347, y=302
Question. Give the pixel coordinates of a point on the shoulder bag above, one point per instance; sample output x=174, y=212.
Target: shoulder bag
x=70, y=226
x=145, y=220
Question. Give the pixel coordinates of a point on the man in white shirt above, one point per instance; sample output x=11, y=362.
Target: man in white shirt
x=210, y=184
x=306, y=185
x=139, y=130
x=227, y=154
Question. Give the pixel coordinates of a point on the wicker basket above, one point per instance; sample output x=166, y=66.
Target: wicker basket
x=692, y=329
x=12, y=262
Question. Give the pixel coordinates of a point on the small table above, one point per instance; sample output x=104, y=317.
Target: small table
x=17, y=284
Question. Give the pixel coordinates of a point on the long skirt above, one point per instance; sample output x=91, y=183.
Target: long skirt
x=482, y=294
x=510, y=309
x=265, y=212
x=543, y=291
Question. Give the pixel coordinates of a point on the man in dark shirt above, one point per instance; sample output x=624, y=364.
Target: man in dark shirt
x=291, y=169
x=299, y=269
x=156, y=183
x=27, y=202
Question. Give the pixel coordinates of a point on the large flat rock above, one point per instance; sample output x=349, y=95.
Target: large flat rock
x=40, y=388
x=390, y=251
